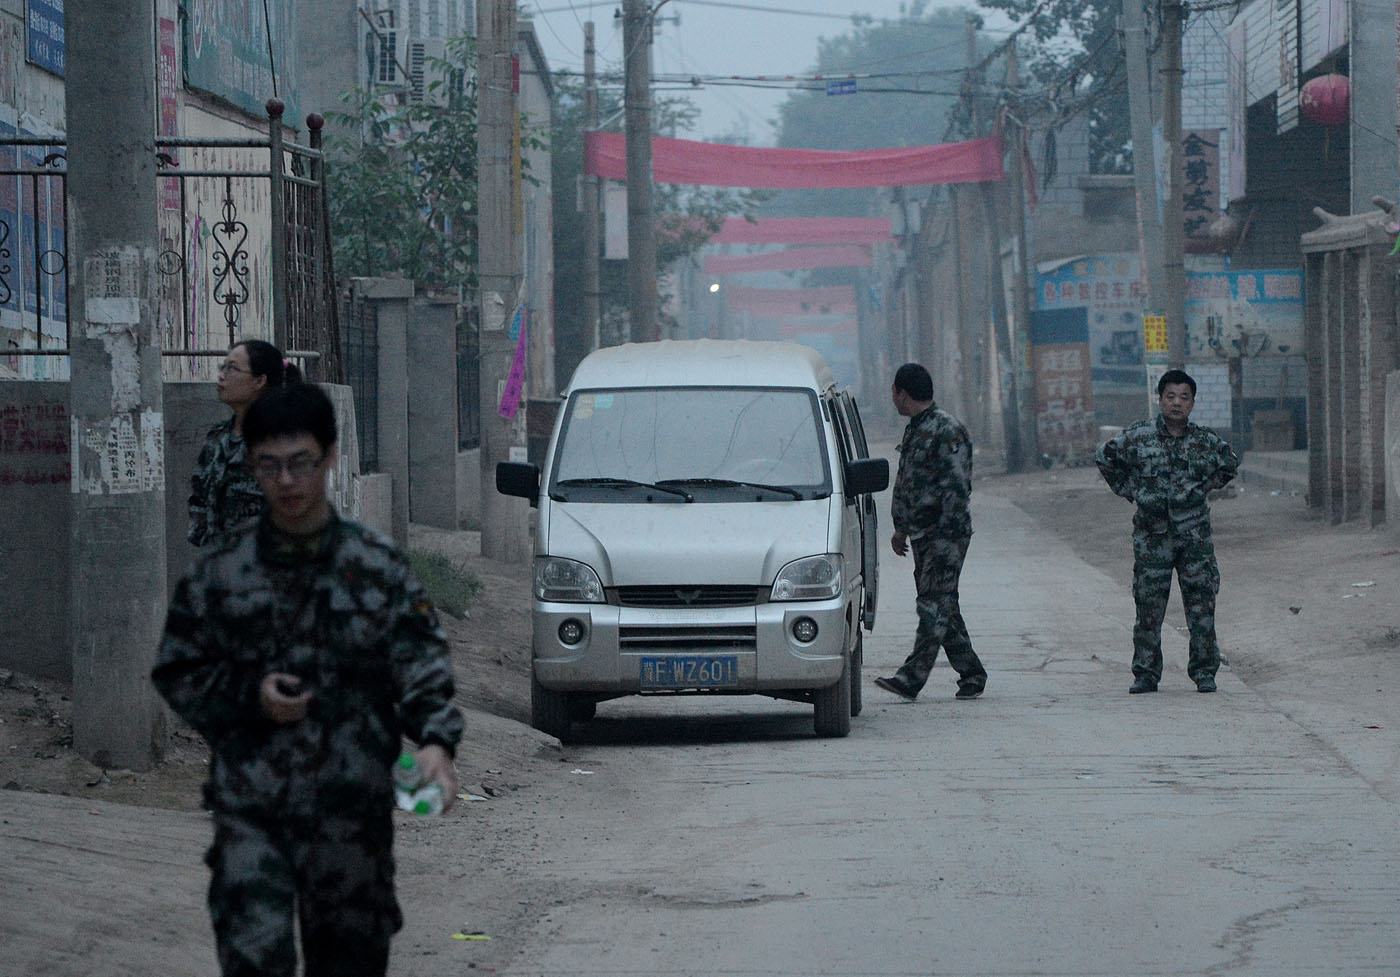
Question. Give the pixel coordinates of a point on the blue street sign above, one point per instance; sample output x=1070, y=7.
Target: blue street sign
x=847, y=86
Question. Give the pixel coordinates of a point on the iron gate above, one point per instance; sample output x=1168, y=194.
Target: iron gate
x=245, y=236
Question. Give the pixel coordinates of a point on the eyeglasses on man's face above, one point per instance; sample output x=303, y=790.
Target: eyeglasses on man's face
x=227, y=367
x=298, y=467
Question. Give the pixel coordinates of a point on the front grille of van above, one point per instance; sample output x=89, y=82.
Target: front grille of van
x=632, y=637
x=674, y=596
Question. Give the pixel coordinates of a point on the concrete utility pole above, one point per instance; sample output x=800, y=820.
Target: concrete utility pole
x=117, y=543
x=592, y=187
x=996, y=286
x=641, y=218
x=1027, y=401
x=1144, y=154
x=1173, y=231
x=499, y=266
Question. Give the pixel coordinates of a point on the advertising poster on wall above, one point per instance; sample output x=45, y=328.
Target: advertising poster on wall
x=1065, y=427
x=1246, y=313
x=1110, y=290
x=227, y=53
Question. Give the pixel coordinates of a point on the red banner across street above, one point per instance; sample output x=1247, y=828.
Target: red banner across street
x=804, y=230
x=827, y=300
x=717, y=165
x=792, y=259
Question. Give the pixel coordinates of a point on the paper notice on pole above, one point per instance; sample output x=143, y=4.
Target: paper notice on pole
x=493, y=312
x=515, y=382
x=112, y=289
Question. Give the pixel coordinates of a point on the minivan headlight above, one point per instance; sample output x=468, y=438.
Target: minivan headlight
x=811, y=578
x=566, y=581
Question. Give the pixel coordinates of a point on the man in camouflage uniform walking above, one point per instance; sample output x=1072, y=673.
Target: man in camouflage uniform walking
x=930, y=515
x=1167, y=467
x=302, y=649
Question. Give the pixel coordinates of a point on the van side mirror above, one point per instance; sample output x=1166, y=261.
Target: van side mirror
x=867, y=475
x=519, y=479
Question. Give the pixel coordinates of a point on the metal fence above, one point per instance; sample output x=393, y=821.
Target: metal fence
x=245, y=248
x=360, y=360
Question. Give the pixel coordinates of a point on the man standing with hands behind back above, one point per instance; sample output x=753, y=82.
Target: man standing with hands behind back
x=929, y=510
x=1167, y=468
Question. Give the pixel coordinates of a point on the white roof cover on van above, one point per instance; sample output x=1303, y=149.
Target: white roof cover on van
x=703, y=363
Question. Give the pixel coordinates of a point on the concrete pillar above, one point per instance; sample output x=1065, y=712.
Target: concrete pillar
x=117, y=537
x=392, y=297
x=1372, y=57
x=432, y=412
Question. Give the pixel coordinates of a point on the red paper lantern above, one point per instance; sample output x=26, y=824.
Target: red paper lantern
x=1326, y=100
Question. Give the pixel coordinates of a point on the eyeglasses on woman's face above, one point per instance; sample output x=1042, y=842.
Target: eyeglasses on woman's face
x=227, y=367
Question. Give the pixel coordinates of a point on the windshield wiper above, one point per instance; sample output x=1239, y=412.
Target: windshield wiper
x=627, y=481
x=731, y=483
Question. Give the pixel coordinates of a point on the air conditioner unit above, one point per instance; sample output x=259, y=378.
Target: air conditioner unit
x=425, y=66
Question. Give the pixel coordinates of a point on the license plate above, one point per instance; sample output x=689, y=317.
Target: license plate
x=690, y=671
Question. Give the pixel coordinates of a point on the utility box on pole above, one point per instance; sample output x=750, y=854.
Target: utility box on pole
x=117, y=541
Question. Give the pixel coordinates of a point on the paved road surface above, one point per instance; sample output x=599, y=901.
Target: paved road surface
x=1056, y=826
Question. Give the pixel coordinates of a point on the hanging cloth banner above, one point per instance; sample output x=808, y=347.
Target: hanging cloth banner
x=515, y=382
x=790, y=330
x=717, y=165
x=804, y=230
x=793, y=259
x=828, y=300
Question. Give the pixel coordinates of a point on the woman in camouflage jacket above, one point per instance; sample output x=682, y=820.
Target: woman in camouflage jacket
x=223, y=492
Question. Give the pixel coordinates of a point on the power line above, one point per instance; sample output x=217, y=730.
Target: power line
x=849, y=18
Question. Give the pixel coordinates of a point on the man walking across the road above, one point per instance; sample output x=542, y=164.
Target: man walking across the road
x=930, y=515
x=1167, y=467
x=302, y=649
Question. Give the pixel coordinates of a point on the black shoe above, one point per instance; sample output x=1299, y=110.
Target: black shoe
x=968, y=691
x=1206, y=684
x=1142, y=684
x=898, y=686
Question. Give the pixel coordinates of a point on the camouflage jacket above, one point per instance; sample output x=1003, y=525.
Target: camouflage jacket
x=347, y=616
x=223, y=491
x=1168, y=477
x=934, y=483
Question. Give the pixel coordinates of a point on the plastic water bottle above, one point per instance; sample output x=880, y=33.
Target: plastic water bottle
x=410, y=793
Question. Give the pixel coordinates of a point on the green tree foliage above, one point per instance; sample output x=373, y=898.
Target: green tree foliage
x=401, y=179
x=687, y=217
x=1076, y=63
x=925, y=53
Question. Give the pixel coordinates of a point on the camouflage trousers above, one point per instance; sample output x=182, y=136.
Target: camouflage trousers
x=1192, y=557
x=334, y=876
x=938, y=564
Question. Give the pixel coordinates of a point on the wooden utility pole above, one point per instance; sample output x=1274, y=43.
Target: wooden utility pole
x=116, y=549
x=502, y=527
x=1144, y=154
x=1173, y=232
x=592, y=187
x=641, y=218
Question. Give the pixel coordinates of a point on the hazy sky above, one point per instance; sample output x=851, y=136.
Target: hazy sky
x=714, y=37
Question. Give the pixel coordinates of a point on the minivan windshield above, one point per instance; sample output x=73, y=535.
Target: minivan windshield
x=684, y=444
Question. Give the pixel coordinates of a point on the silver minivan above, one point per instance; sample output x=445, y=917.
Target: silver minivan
x=705, y=526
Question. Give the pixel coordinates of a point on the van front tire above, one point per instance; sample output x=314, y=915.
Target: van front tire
x=831, y=706
x=550, y=711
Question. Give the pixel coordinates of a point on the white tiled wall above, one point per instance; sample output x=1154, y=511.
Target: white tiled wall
x=1212, y=395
